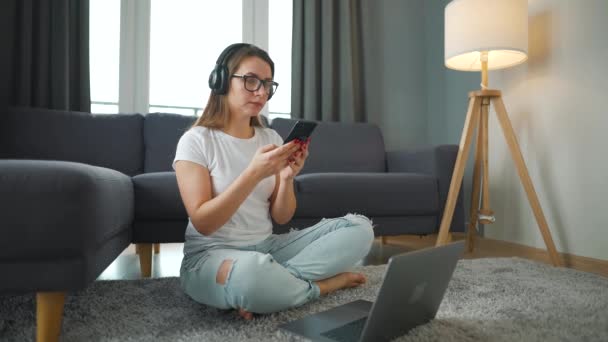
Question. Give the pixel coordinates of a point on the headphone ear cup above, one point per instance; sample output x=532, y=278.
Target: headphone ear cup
x=213, y=79
x=223, y=80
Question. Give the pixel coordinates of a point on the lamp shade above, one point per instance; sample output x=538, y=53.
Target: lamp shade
x=499, y=27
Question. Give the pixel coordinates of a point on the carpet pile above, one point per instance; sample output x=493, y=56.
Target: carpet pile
x=496, y=299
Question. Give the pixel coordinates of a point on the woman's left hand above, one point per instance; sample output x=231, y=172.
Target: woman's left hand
x=296, y=163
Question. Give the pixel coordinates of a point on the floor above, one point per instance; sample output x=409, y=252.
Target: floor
x=167, y=262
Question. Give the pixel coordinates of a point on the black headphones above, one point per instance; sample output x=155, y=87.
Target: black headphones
x=219, y=77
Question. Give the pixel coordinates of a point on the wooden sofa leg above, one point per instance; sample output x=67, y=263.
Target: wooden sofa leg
x=156, y=248
x=145, y=259
x=49, y=314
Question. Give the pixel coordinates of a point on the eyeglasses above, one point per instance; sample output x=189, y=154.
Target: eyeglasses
x=253, y=83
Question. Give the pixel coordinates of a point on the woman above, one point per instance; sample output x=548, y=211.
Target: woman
x=234, y=175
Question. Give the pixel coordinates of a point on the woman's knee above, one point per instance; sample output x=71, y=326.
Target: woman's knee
x=250, y=267
x=364, y=227
x=247, y=274
x=223, y=270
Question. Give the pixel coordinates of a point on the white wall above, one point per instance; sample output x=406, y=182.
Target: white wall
x=558, y=105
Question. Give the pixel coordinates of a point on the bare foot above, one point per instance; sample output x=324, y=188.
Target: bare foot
x=340, y=281
x=245, y=314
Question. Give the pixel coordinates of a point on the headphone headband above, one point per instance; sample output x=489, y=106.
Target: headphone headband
x=228, y=51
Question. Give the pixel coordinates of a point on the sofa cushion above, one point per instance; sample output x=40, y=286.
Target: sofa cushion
x=371, y=194
x=161, y=134
x=112, y=141
x=157, y=197
x=340, y=147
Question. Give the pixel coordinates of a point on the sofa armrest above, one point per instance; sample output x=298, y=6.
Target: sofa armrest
x=436, y=160
x=60, y=209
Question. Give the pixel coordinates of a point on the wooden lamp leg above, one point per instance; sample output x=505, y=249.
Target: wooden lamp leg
x=486, y=215
x=472, y=228
x=49, y=314
x=524, y=176
x=463, y=153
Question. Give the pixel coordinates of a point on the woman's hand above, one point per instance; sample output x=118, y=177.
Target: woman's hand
x=296, y=162
x=271, y=159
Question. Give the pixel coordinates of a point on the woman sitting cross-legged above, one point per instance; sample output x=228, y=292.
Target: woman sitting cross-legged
x=234, y=175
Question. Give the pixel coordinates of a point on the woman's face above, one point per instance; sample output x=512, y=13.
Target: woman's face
x=242, y=102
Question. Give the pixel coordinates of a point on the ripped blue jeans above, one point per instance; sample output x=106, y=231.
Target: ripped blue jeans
x=279, y=272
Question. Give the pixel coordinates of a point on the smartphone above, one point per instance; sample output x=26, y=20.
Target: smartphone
x=301, y=131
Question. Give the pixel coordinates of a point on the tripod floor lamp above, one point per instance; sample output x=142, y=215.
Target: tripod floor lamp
x=482, y=35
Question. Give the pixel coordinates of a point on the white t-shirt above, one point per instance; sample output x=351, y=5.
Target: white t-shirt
x=226, y=157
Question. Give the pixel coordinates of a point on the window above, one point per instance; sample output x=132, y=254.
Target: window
x=184, y=43
x=104, y=37
x=279, y=47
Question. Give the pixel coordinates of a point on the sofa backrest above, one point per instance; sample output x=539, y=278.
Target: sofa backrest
x=135, y=143
x=341, y=147
x=112, y=141
x=161, y=134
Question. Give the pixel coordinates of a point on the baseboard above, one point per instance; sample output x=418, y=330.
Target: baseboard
x=576, y=262
x=486, y=248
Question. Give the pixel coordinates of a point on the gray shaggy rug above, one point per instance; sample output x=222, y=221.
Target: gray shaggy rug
x=501, y=299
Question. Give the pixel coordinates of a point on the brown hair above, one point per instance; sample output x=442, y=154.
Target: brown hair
x=216, y=112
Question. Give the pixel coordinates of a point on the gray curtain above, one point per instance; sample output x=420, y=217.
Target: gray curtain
x=45, y=48
x=327, y=61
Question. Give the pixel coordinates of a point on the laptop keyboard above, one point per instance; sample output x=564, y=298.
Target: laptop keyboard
x=349, y=332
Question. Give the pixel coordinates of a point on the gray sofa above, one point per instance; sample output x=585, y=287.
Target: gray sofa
x=76, y=189
x=348, y=170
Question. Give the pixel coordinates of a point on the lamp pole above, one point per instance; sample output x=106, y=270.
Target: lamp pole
x=486, y=215
x=484, y=69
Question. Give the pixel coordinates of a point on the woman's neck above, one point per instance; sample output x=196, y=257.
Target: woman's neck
x=240, y=129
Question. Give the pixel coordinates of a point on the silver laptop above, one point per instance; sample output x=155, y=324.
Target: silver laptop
x=412, y=289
